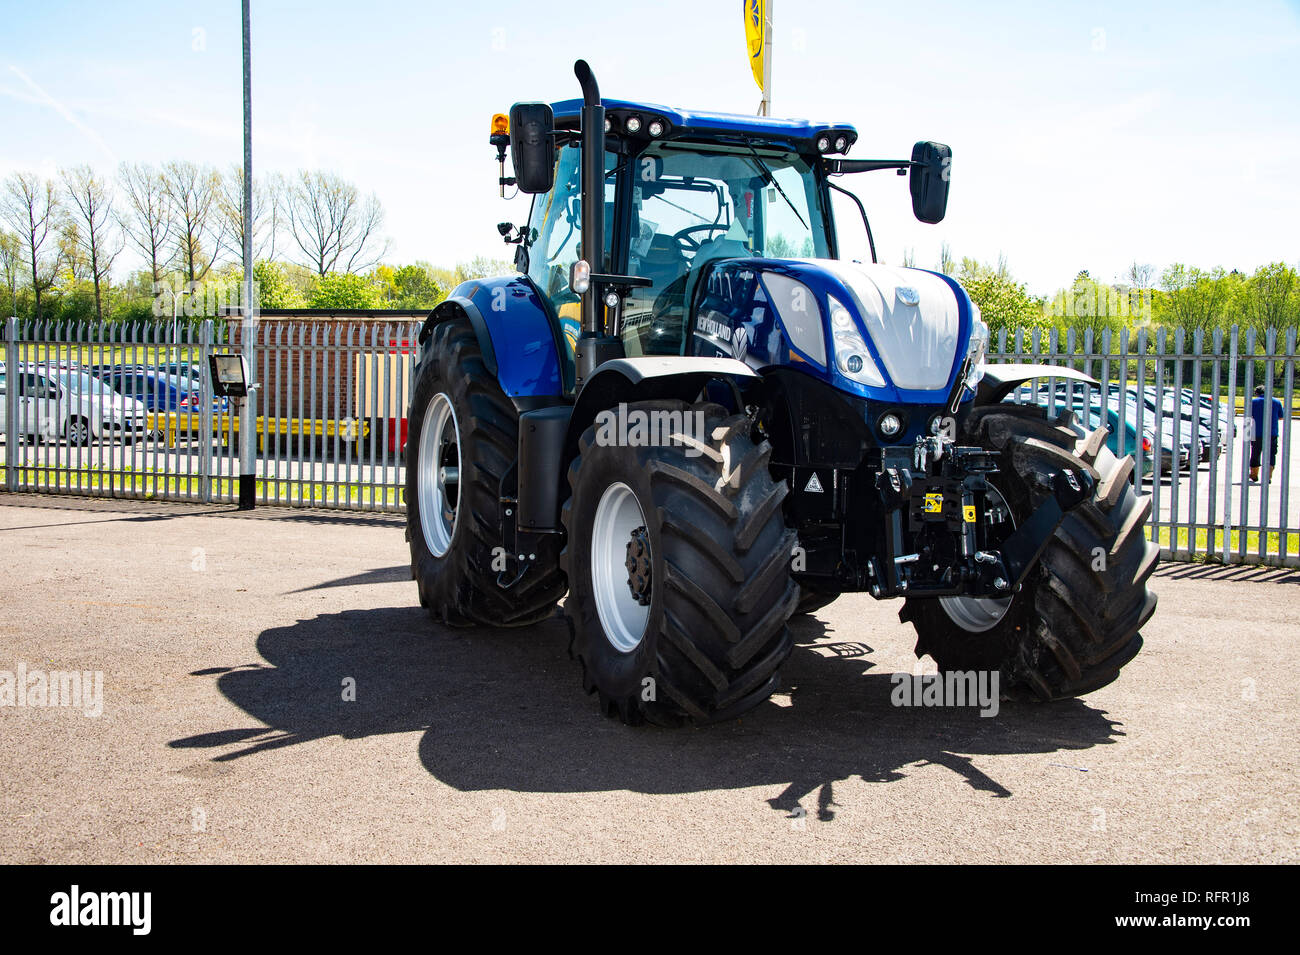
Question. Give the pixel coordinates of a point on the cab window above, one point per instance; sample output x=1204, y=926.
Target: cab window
x=692, y=205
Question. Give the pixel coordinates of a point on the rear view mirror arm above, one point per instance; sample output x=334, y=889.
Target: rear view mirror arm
x=839, y=167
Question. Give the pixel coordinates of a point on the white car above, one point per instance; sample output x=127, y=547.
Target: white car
x=55, y=403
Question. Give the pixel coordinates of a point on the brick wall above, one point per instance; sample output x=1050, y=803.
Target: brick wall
x=351, y=363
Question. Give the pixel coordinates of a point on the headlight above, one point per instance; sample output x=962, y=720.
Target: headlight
x=979, y=345
x=851, y=355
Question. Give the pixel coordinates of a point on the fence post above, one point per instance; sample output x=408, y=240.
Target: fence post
x=12, y=451
x=205, y=412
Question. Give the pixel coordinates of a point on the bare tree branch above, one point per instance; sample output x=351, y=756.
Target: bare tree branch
x=146, y=218
x=333, y=227
x=192, y=194
x=31, y=207
x=92, y=202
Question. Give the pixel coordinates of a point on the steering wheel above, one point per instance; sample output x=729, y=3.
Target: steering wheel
x=689, y=244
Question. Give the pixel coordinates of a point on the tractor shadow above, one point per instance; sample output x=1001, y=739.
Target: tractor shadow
x=502, y=710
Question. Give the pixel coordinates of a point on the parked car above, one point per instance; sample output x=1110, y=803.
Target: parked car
x=157, y=390
x=67, y=403
x=183, y=370
x=1086, y=400
x=1125, y=440
x=1211, y=408
x=1171, y=416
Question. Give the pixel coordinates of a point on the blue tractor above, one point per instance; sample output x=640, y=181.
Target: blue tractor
x=691, y=414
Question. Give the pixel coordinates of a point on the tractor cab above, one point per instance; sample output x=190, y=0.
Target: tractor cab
x=682, y=190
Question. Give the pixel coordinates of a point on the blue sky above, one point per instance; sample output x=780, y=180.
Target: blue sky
x=1083, y=135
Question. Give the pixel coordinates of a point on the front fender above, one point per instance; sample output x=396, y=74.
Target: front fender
x=645, y=378
x=1000, y=380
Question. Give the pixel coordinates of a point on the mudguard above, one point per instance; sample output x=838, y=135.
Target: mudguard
x=521, y=343
x=542, y=470
x=1000, y=380
x=644, y=378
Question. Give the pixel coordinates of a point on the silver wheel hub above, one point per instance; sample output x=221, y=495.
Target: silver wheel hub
x=438, y=480
x=620, y=555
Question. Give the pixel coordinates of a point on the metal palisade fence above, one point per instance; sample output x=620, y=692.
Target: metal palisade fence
x=1188, y=413
x=129, y=411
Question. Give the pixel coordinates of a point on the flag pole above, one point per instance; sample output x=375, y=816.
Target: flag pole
x=765, y=107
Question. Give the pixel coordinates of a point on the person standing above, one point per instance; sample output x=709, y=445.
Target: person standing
x=1257, y=406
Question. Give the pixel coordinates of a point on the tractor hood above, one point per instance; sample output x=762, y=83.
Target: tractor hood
x=883, y=332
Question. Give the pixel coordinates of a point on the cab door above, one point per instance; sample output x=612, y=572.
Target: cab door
x=554, y=242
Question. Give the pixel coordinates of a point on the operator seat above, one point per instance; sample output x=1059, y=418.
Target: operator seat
x=708, y=252
x=663, y=261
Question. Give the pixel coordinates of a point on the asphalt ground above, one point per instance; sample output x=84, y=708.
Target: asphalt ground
x=228, y=642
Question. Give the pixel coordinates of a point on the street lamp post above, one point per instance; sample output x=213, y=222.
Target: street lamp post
x=248, y=332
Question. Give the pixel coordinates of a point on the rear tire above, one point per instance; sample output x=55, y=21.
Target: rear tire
x=456, y=541
x=712, y=562
x=1076, y=621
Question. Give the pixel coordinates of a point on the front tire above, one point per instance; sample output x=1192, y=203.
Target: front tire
x=1076, y=622
x=464, y=438
x=679, y=572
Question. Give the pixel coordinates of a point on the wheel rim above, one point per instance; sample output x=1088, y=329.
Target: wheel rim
x=619, y=524
x=438, y=478
x=979, y=614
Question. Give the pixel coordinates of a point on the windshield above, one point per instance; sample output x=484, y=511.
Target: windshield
x=693, y=204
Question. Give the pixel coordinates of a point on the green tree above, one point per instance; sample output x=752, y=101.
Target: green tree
x=481, y=267
x=1092, y=306
x=11, y=268
x=415, y=288
x=1271, y=297
x=1002, y=300
x=343, y=290
x=273, y=287
x=1193, y=300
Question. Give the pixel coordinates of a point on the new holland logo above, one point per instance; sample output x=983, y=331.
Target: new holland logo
x=908, y=295
x=740, y=342
x=814, y=485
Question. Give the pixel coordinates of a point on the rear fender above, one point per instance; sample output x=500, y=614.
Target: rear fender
x=519, y=338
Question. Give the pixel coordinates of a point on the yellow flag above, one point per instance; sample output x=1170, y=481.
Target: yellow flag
x=755, y=26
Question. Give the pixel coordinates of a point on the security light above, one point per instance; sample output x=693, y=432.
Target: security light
x=229, y=376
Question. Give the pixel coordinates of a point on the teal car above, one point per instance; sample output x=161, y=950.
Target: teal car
x=1091, y=417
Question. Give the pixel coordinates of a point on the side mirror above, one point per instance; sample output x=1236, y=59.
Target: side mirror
x=929, y=181
x=532, y=146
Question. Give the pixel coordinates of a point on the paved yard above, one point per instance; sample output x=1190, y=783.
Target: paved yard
x=228, y=642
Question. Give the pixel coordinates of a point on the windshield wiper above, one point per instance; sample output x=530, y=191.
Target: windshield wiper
x=771, y=181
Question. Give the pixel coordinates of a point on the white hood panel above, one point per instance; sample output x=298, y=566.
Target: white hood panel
x=917, y=342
